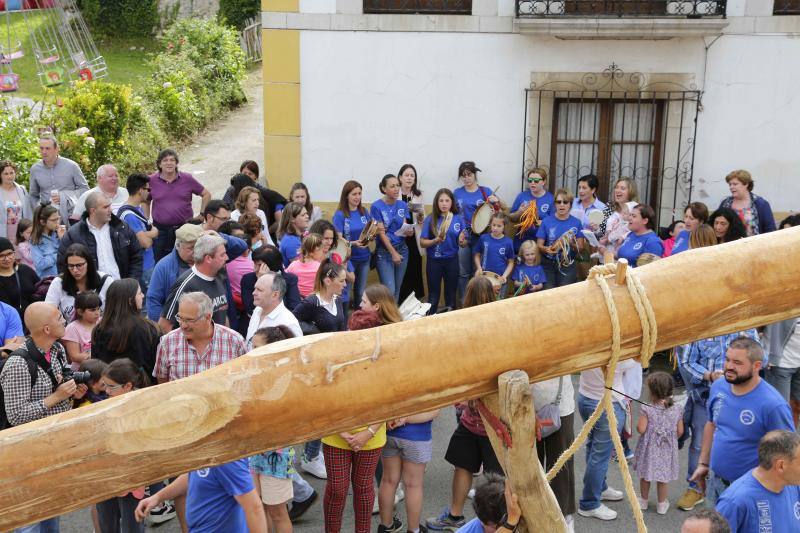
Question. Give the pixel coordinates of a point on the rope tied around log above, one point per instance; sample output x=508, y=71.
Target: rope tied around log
x=644, y=309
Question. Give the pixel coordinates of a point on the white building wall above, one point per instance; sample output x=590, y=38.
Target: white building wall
x=373, y=100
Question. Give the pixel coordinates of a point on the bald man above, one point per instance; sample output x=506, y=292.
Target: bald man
x=108, y=184
x=30, y=395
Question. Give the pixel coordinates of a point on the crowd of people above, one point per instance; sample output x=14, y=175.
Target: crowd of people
x=111, y=289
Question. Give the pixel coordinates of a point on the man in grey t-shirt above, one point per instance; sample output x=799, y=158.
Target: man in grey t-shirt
x=56, y=179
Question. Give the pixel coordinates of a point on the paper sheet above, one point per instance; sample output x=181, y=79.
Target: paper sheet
x=589, y=235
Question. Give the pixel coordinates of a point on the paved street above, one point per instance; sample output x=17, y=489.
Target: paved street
x=437, y=493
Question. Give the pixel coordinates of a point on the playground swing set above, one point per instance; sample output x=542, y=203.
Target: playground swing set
x=58, y=37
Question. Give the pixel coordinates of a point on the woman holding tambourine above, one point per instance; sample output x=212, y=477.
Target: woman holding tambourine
x=412, y=196
x=470, y=198
x=560, y=239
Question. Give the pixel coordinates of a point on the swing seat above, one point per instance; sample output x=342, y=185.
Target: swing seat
x=49, y=59
x=9, y=82
x=53, y=77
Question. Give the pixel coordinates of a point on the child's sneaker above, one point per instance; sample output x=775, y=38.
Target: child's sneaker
x=445, y=522
x=662, y=507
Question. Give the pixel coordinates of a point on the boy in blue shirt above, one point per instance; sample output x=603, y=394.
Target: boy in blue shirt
x=767, y=499
x=220, y=499
x=500, y=514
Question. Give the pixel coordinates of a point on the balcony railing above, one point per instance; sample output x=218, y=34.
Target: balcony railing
x=441, y=7
x=624, y=8
x=786, y=7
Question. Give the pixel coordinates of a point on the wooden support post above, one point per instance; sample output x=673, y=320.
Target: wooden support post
x=512, y=404
x=622, y=269
x=608, y=257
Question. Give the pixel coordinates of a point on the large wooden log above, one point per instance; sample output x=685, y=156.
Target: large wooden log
x=304, y=388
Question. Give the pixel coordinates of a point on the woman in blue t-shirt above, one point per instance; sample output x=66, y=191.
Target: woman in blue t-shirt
x=349, y=220
x=560, y=238
x=696, y=214
x=294, y=222
x=391, y=249
x=537, y=192
x=468, y=198
x=641, y=239
x=442, y=253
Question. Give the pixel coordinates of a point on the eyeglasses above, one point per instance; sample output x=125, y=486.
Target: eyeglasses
x=223, y=219
x=5, y=256
x=111, y=387
x=184, y=320
x=565, y=202
x=76, y=266
x=535, y=180
x=146, y=188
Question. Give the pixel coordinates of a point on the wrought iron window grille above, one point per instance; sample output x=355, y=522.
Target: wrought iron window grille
x=615, y=124
x=625, y=8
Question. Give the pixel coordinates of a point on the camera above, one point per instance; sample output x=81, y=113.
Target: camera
x=84, y=378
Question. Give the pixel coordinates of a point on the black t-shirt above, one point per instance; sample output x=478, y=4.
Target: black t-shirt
x=17, y=290
x=193, y=281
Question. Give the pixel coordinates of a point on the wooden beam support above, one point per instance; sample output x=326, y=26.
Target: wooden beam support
x=512, y=404
x=301, y=389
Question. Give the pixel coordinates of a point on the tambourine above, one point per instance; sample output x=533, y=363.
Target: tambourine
x=342, y=248
x=595, y=217
x=369, y=231
x=446, y=221
x=481, y=218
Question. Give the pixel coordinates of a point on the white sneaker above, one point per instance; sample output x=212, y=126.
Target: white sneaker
x=612, y=495
x=471, y=494
x=315, y=467
x=662, y=507
x=400, y=495
x=643, y=503
x=570, y=520
x=602, y=512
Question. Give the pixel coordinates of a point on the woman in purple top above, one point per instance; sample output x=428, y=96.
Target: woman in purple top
x=171, y=200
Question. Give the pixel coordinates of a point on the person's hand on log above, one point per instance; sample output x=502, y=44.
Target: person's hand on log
x=145, y=506
x=513, y=512
x=699, y=477
x=396, y=423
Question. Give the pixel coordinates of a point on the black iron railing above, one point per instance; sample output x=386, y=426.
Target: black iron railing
x=786, y=7
x=443, y=7
x=625, y=8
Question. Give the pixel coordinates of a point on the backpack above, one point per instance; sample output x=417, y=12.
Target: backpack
x=41, y=288
x=32, y=368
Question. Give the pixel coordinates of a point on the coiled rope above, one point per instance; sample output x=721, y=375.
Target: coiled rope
x=641, y=303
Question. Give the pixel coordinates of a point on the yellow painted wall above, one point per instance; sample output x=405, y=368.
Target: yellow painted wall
x=281, y=67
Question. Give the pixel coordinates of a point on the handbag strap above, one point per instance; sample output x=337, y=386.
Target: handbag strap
x=560, y=386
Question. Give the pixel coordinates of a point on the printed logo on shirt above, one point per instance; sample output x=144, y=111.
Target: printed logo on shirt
x=545, y=208
x=637, y=246
x=551, y=233
x=401, y=212
x=203, y=472
x=797, y=510
x=747, y=417
x=502, y=250
x=364, y=219
x=457, y=227
x=764, y=516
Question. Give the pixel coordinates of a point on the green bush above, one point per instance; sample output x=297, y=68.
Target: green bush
x=237, y=12
x=19, y=141
x=177, y=95
x=121, y=17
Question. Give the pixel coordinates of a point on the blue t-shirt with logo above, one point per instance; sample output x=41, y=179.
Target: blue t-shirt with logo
x=495, y=253
x=134, y=217
x=449, y=247
x=748, y=506
x=350, y=227
x=417, y=432
x=473, y=526
x=544, y=207
x=210, y=503
x=535, y=273
x=392, y=217
x=681, y=242
x=740, y=423
x=468, y=202
x=290, y=246
x=635, y=245
x=553, y=228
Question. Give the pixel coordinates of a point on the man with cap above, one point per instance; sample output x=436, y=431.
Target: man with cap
x=181, y=259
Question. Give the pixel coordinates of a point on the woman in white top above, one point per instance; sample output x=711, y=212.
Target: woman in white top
x=80, y=274
x=247, y=202
x=299, y=195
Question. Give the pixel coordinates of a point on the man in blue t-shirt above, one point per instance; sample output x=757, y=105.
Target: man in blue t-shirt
x=138, y=186
x=742, y=408
x=767, y=499
x=220, y=499
x=11, y=334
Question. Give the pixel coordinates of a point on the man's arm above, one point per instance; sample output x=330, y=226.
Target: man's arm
x=693, y=366
x=206, y=197
x=253, y=511
x=135, y=255
x=15, y=381
x=81, y=186
x=703, y=467
x=164, y=324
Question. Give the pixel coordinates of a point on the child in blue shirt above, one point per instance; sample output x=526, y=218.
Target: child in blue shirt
x=529, y=271
x=495, y=252
x=442, y=263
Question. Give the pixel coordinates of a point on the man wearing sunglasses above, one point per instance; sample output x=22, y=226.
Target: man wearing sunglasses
x=138, y=187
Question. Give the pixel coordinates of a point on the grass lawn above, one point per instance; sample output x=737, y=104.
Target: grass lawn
x=125, y=58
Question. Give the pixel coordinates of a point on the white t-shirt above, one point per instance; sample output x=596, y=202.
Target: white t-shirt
x=791, y=352
x=592, y=383
x=545, y=392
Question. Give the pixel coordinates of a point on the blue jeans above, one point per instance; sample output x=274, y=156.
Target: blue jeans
x=696, y=415
x=45, y=526
x=466, y=269
x=558, y=278
x=714, y=489
x=302, y=490
x=598, y=452
x=389, y=273
x=438, y=269
x=361, y=271
x=312, y=449
x=116, y=515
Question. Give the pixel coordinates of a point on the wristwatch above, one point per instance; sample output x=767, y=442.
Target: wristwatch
x=504, y=523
